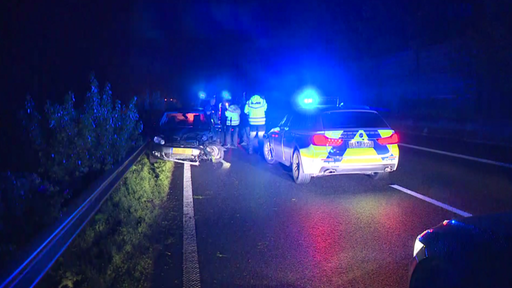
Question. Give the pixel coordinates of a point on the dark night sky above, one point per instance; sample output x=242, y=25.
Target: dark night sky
x=171, y=46
x=180, y=46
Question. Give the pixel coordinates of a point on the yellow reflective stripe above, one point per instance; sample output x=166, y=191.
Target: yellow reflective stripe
x=358, y=152
x=361, y=155
x=313, y=151
x=394, y=149
x=385, y=133
x=308, y=152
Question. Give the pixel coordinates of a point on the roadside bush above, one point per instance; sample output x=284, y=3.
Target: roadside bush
x=74, y=146
x=74, y=142
x=114, y=249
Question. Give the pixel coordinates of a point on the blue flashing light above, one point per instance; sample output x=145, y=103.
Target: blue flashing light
x=309, y=98
x=202, y=95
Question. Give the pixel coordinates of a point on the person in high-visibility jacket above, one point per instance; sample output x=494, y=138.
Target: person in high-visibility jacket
x=255, y=110
x=232, y=122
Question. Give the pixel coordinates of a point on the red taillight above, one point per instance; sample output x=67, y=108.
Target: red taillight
x=322, y=140
x=393, y=139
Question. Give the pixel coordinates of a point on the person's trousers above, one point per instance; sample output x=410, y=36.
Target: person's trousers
x=256, y=130
x=223, y=134
x=244, y=134
x=231, y=135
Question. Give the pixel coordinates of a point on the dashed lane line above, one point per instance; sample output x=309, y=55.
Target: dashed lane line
x=508, y=165
x=191, y=277
x=432, y=201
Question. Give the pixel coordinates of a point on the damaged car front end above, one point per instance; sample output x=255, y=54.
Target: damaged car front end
x=186, y=137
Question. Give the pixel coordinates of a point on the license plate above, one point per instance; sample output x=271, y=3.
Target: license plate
x=360, y=144
x=181, y=151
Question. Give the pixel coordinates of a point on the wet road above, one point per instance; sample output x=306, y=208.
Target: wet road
x=256, y=228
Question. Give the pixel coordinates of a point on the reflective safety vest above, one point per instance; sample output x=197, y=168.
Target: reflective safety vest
x=255, y=109
x=233, y=115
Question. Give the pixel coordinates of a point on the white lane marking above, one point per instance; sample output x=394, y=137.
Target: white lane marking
x=191, y=276
x=432, y=201
x=459, y=155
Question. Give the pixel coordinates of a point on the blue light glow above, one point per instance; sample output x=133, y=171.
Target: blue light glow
x=309, y=98
x=202, y=95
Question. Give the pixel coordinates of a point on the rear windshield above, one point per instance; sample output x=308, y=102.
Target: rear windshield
x=183, y=120
x=352, y=119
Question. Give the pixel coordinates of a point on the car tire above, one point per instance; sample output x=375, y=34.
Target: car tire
x=297, y=171
x=379, y=176
x=152, y=159
x=268, y=152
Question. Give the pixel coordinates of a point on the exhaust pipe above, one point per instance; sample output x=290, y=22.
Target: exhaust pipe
x=388, y=169
x=329, y=171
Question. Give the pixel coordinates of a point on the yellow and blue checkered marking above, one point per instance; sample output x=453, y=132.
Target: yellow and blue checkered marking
x=344, y=154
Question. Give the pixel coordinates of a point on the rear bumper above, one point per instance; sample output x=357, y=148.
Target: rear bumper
x=317, y=167
x=168, y=153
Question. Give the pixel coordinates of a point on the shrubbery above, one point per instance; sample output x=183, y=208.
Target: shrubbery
x=115, y=248
x=74, y=146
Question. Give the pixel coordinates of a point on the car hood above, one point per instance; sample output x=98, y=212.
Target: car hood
x=185, y=134
x=182, y=131
x=476, y=235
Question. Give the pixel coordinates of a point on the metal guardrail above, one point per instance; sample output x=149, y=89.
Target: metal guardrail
x=44, y=255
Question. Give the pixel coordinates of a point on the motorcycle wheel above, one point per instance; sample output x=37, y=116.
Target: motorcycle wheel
x=216, y=152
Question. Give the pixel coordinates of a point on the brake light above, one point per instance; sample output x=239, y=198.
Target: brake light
x=393, y=139
x=322, y=140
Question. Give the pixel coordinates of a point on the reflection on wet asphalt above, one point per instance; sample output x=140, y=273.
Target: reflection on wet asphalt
x=257, y=228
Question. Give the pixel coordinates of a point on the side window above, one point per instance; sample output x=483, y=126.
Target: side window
x=306, y=122
x=297, y=123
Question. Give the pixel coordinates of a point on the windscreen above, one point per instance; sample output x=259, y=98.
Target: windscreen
x=352, y=119
x=183, y=120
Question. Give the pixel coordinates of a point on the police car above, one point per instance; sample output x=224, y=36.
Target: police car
x=333, y=140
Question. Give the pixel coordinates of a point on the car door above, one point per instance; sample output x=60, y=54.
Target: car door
x=288, y=136
x=278, y=138
x=301, y=129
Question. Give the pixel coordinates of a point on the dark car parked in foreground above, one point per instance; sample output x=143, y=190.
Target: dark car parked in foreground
x=470, y=252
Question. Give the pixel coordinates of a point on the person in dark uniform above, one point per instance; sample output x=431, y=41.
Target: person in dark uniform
x=244, y=123
x=223, y=107
x=212, y=116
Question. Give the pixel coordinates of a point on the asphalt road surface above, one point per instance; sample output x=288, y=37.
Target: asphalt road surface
x=254, y=227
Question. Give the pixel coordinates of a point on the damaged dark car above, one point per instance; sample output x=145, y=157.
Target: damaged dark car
x=186, y=136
